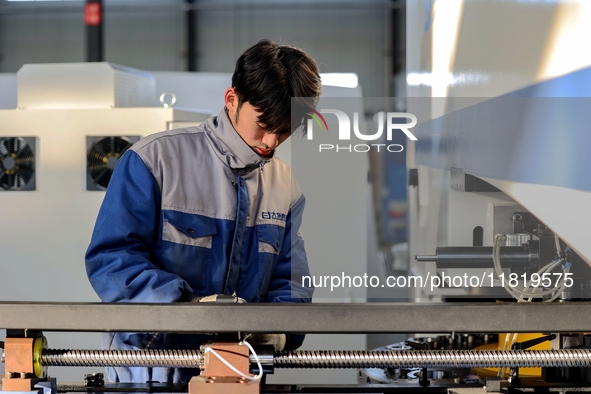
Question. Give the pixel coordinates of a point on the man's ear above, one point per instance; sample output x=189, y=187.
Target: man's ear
x=231, y=100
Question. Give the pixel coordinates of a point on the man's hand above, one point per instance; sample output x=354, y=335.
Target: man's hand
x=276, y=340
x=222, y=299
x=215, y=298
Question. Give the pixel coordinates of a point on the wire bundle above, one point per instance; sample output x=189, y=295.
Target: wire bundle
x=530, y=292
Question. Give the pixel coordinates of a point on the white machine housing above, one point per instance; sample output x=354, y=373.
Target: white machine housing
x=45, y=232
x=481, y=50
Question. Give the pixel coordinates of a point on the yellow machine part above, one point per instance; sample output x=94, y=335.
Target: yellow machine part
x=535, y=372
x=38, y=346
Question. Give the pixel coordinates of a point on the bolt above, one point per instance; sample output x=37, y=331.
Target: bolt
x=517, y=218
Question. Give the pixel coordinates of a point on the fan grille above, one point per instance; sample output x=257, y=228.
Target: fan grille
x=17, y=163
x=103, y=154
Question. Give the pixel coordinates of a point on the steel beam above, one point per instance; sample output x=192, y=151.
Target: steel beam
x=299, y=318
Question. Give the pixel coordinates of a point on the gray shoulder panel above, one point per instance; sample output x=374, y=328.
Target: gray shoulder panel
x=191, y=177
x=194, y=179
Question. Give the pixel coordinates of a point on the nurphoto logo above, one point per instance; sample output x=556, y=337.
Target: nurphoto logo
x=395, y=121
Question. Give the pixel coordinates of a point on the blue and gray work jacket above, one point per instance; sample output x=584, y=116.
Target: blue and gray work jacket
x=195, y=211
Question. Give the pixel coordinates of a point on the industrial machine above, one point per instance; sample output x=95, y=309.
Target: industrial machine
x=498, y=180
x=62, y=130
x=425, y=366
x=498, y=205
x=475, y=348
x=58, y=147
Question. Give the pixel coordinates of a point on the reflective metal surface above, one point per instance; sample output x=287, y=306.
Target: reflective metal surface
x=300, y=318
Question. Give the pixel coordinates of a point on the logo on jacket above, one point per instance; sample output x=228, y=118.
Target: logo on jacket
x=275, y=216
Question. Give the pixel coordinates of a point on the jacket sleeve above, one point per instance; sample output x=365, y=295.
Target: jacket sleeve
x=118, y=259
x=292, y=264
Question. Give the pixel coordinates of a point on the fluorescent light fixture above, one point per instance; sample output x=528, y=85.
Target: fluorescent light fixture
x=447, y=20
x=418, y=79
x=429, y=79
x=447, y=79
x=343, y=80
x=569, y=36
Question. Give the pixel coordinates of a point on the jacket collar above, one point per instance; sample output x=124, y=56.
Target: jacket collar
x=229, y=147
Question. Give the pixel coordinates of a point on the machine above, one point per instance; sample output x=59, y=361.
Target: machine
x=61, y=134
x=458, y=346
x=420, y=367
x=499, y=190
x=497, y=177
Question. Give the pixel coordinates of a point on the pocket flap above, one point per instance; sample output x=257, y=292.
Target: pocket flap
x=271, y=235
x=191, y=225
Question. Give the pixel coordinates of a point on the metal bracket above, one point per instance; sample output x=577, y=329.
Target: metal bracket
x=463, y=182
x=493, y=384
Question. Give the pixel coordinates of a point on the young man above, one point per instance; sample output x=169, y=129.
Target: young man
x=209, y=210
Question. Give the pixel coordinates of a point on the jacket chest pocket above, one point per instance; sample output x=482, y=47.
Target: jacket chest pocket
x=187, y=247
x=270, y=241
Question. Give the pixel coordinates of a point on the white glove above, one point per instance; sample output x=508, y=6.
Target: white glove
x=221, y=299
x=275, y=340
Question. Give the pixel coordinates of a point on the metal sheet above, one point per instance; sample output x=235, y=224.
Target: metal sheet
x=540, y=140
x=296, y=318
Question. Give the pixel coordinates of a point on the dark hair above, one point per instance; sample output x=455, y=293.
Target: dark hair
x=268, y=76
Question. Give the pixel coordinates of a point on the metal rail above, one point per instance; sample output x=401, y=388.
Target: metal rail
x=331, y=359
x=433, y=359
x=121, y=358
x=300, y=318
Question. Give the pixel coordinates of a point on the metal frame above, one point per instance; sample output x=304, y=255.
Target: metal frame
x=299, y=318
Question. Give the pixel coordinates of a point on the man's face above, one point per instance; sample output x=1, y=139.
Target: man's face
x=246, y=123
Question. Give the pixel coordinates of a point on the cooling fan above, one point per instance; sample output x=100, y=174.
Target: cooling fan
x=17, y=163
x=102, y=156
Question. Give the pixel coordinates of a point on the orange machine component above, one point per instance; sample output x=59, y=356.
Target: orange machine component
x=217, y=378
x=19, y=364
